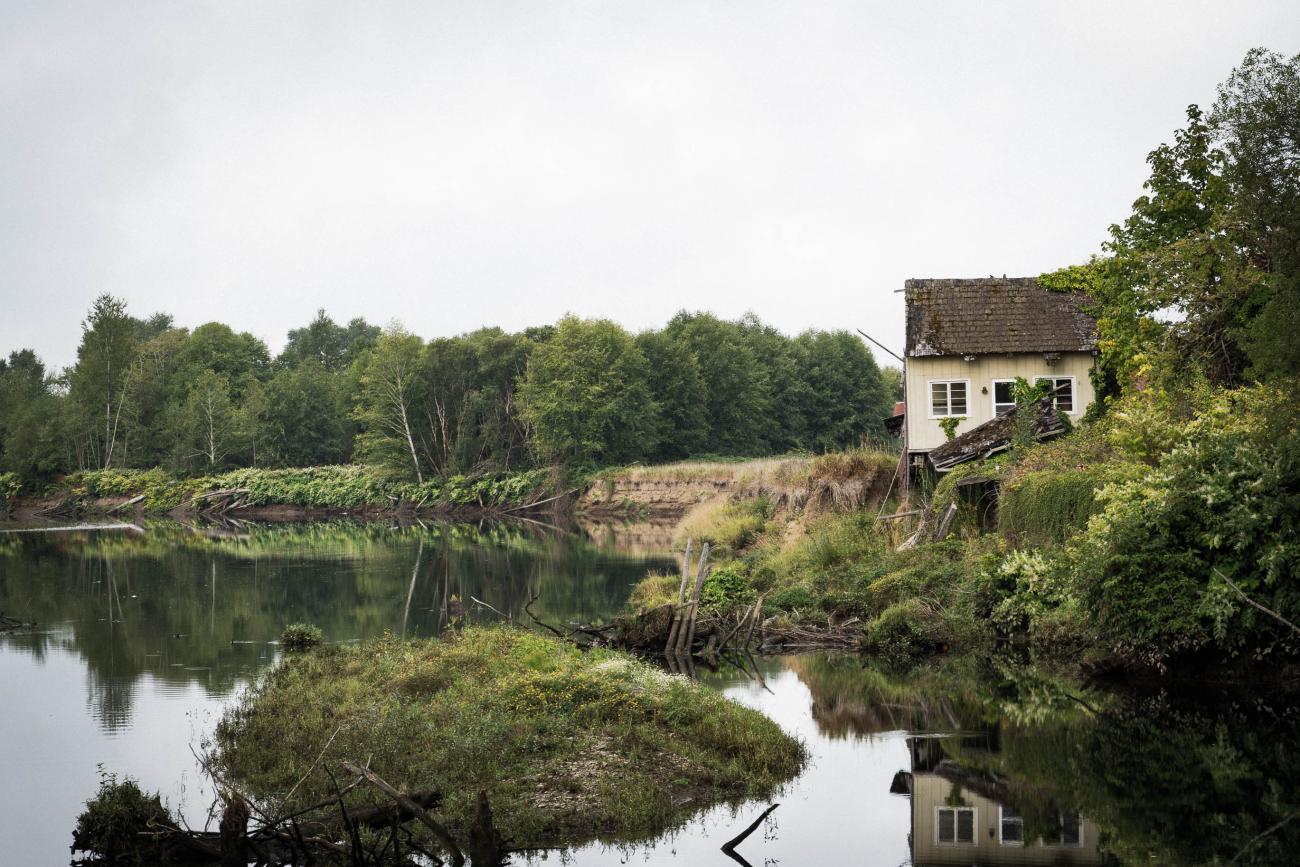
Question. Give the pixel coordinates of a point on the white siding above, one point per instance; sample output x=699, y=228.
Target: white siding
x=924, y=433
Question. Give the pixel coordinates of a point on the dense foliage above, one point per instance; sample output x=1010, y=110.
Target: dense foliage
x=146, y=393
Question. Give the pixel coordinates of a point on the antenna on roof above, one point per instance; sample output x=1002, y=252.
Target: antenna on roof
x=881, y=345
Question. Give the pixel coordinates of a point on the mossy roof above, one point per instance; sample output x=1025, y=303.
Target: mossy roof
x=994, y=315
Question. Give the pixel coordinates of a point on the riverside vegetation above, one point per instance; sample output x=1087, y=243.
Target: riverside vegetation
x=1165, y=531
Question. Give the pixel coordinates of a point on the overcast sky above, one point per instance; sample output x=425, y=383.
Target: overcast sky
x=454, y=165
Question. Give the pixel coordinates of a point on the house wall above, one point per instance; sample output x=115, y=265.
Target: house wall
x=930, y=791
x=924, y=433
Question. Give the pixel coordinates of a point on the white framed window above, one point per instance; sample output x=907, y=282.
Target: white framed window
x=1003, y=395
x=954, y=826
x=1063, y=391
x=1011, y=827
x=1071, y=824
x=948, y=397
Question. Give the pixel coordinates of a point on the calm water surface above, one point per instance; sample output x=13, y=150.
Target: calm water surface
x=144, y=637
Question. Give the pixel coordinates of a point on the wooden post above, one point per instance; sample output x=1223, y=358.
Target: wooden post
x=694, y=607
x=945, y=523
x=675, y=625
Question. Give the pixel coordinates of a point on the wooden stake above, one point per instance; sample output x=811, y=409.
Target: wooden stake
x=676, y=624
x=694, y=607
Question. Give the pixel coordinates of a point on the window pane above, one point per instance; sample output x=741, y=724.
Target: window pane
x=946, y=824
x=1012, y=826
x=957, y=400
x=965, y=826
x=938, y=398
x=1002, y=400
x=1065, y=395
x=1070, y=829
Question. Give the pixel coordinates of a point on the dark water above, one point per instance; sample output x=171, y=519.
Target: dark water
x=145, y=636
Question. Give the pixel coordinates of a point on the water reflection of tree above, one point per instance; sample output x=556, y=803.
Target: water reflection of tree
x=198, y=607
x=1169, y=778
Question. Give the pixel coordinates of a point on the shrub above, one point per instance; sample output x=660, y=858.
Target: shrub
x=10, y=485
x=1048, y=506
x=907, y=630
x=298, y=637
x=1227, y=499
x=111, y=826
x=791, y=599
x=725, y=589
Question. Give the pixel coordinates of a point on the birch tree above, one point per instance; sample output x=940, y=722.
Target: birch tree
x=385, y=402
x=100, y=380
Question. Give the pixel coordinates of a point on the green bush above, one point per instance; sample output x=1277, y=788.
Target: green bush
x=10, y=485
x=298, y=637
x=1048, y=506
x=111, y=826
x=1226, y=500
x=792, y=599
x=907, y=630
x=725, y=589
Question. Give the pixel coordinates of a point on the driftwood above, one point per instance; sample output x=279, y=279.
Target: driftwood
x=685, y=643
x=676, y=624
x=8, y=623
x=730, y=846
x=405, y=802
x=130, y=502
x=945, y=523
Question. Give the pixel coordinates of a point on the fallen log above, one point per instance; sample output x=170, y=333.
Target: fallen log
x=441, y=833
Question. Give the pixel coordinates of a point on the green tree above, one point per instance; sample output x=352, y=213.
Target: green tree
x=787, y=391
x=845, y=397
x=302, y=421
x=101, y=380
x=738, y=400
x=210, y=419
x=29, y=415
x=329, y=344
x=471, y=419
x=238, y=356
x=1256, y=120
x=587, y=395
x=678, y=388
x=385, y=403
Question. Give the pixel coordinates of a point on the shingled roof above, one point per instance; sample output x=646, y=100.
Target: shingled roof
x=995, y=315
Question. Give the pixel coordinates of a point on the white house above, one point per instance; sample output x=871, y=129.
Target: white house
x=968, y=340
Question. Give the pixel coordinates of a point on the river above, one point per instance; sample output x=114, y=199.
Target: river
x=145, y=634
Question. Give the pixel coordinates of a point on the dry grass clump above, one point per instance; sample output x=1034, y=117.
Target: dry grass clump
x=838, y=480
x=729, y=472
x=654, y=590
x=728, y=523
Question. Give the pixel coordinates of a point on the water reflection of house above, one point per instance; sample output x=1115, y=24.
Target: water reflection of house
x=966, y=817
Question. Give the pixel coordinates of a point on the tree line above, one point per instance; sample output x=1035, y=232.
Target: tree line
x=145, y=392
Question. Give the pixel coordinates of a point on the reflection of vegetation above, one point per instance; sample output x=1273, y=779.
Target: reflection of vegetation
x=566, y=744
x=857, y=696
x=1168, y=781
x=186, y=605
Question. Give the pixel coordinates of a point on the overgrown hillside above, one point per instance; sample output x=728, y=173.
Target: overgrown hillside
x=1165, y=530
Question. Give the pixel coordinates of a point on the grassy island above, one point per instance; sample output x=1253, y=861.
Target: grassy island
x=568, y=746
